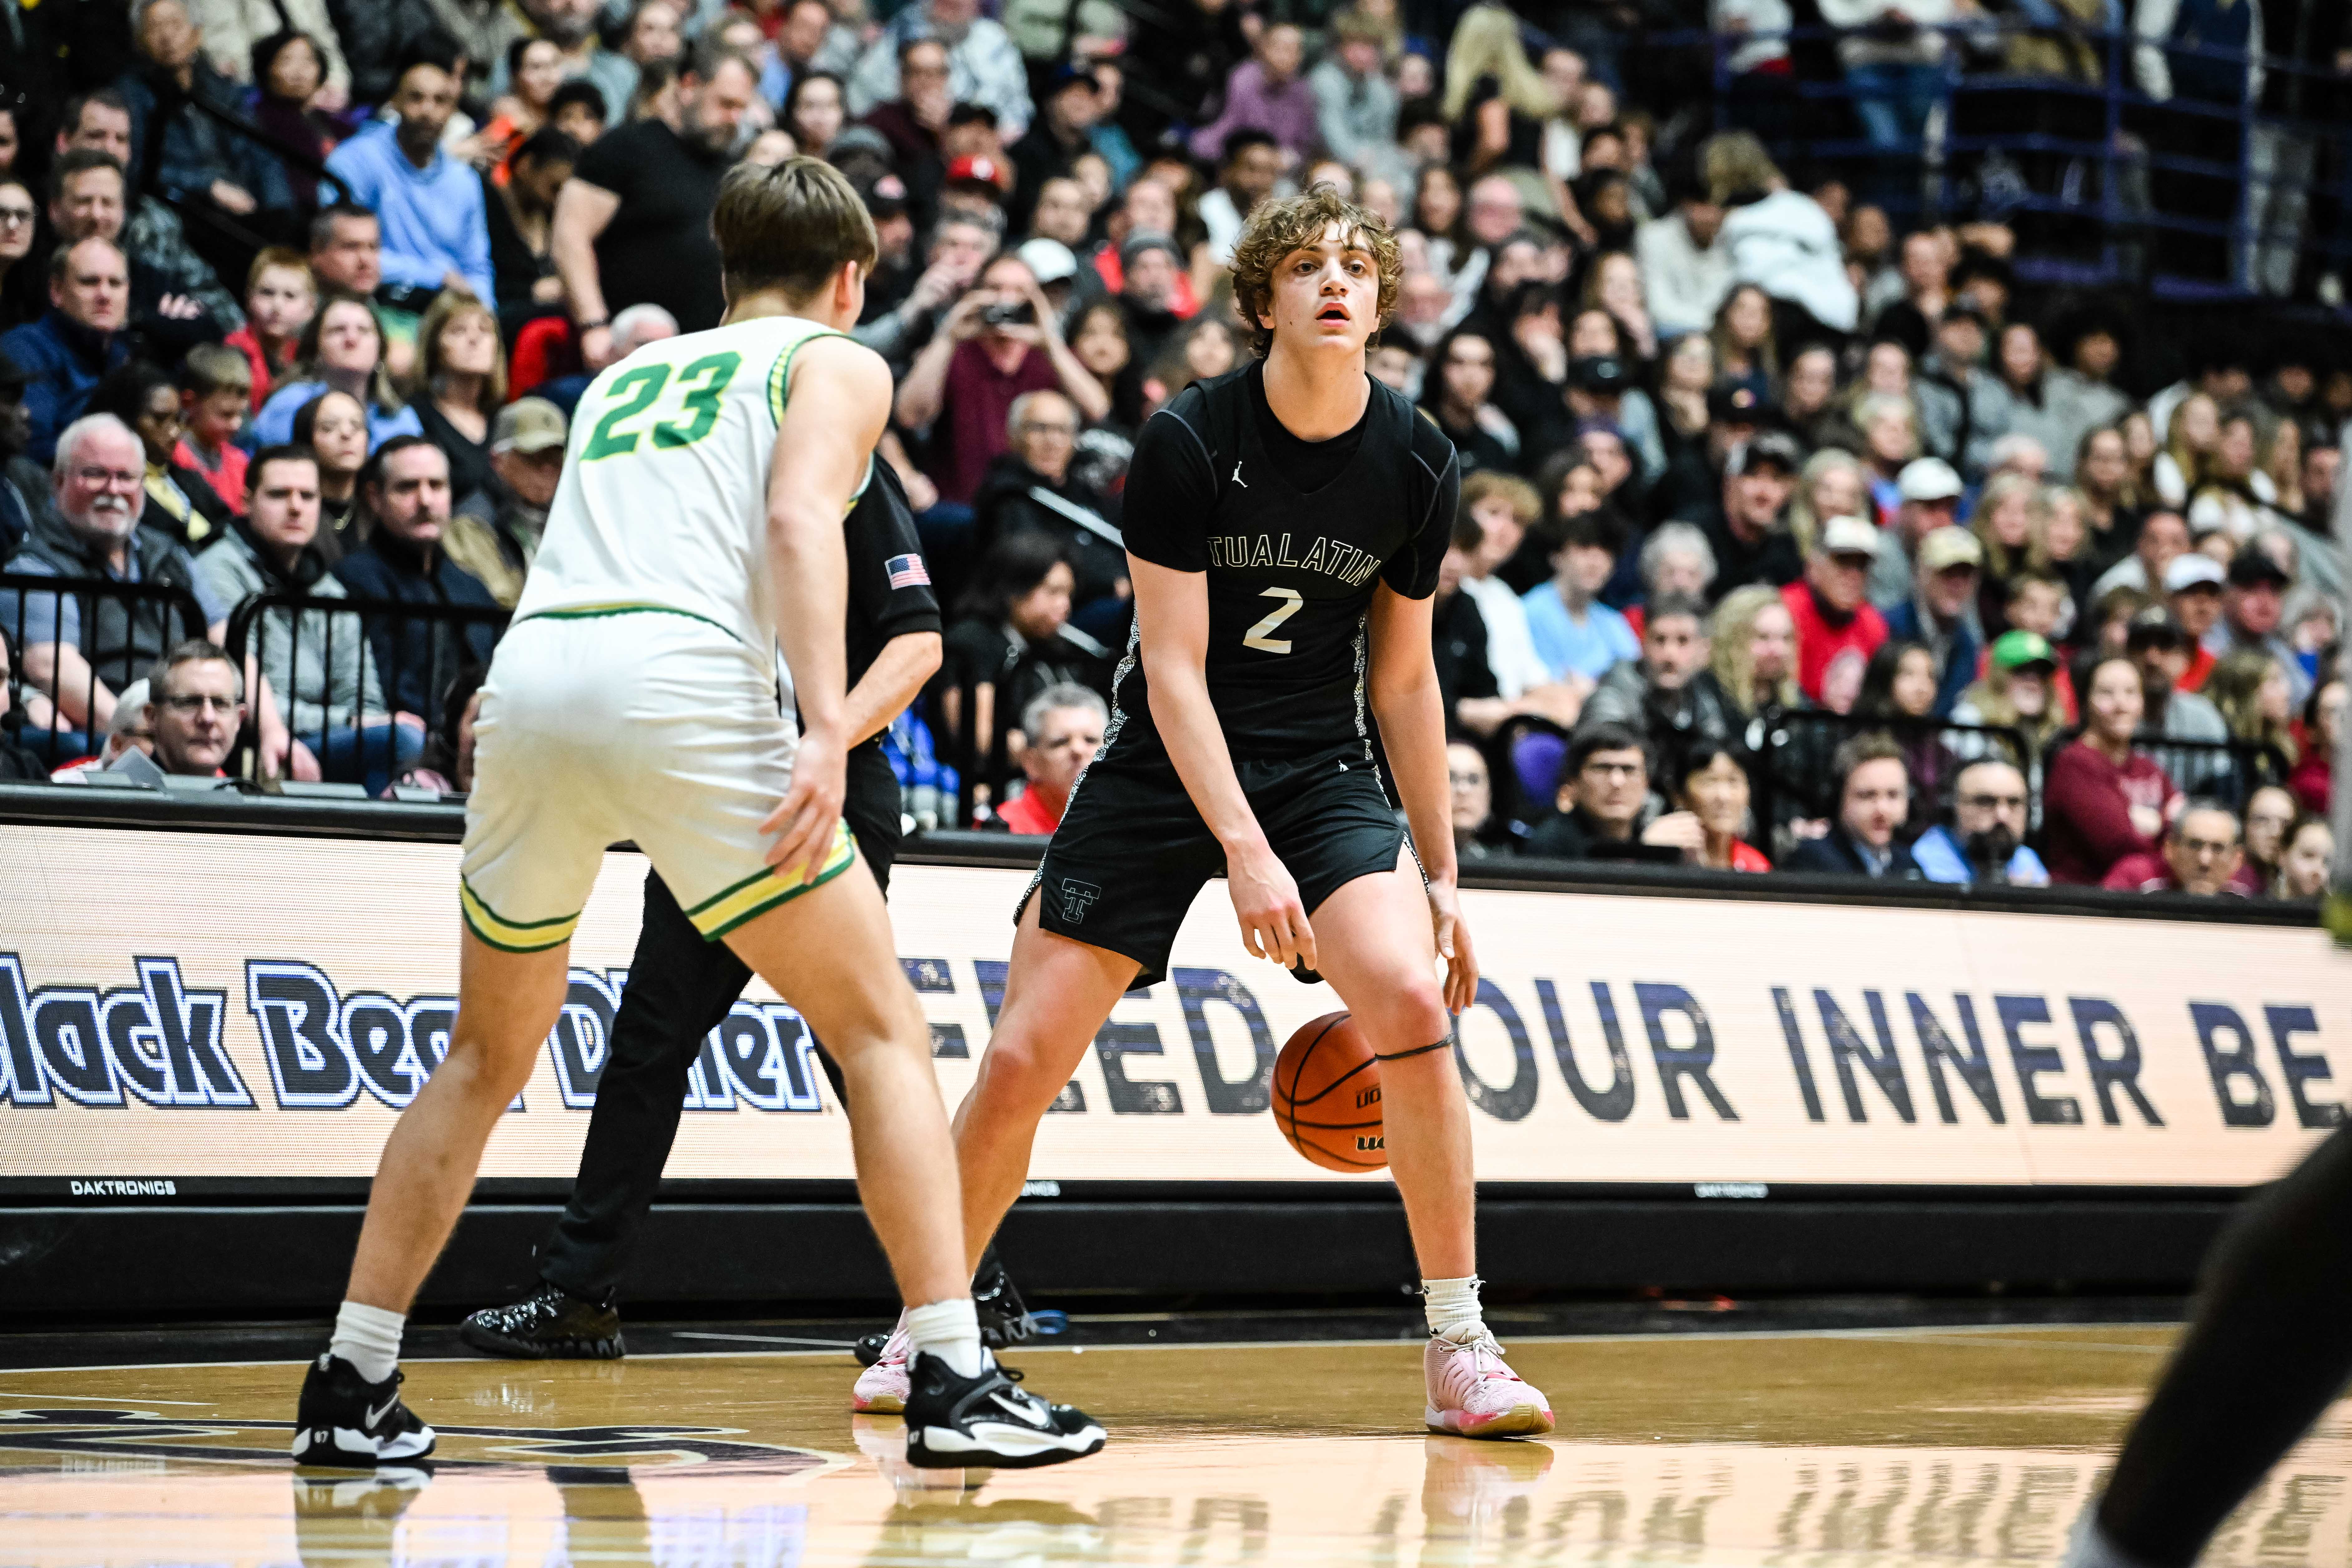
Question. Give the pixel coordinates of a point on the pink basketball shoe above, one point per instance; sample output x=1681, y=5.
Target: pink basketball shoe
x=881, y=1388
x=1472, y=1394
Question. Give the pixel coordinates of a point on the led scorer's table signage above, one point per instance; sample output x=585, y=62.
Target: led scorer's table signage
x=191, y=1006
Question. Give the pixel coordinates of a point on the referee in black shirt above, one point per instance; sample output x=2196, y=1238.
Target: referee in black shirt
x=681, y=987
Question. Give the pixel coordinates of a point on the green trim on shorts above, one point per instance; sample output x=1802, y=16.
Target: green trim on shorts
x=839, y=857
x=598, y=611
x=507, y=937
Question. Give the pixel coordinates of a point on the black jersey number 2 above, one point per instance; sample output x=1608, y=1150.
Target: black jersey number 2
x=1258, y=637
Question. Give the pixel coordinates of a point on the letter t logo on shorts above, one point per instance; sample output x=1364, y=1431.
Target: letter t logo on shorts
x=1077, y=898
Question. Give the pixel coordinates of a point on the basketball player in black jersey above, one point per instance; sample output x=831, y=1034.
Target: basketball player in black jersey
x=1284, y=528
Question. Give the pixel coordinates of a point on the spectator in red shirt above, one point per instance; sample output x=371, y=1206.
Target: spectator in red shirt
x=2201, y=855
x=1001, y=340
x=2103, y=801
x=1715, y=791
x=280, y=297
x=1062, y=730
x=1837, y=629
x=2323, y=721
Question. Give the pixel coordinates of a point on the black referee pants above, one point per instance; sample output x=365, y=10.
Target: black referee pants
x=2269, y=1351
x=680, y=988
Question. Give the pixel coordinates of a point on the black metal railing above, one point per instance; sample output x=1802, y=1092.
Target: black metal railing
x=358, y=683
x=66, y=690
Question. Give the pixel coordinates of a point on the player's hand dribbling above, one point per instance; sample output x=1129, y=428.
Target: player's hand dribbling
x=1453, y=944
x=1266, y=900
x=803, y=823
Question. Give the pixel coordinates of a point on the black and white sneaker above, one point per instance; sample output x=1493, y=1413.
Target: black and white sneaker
x=549, y=1324
x=1004, y=1318
x=988, y=1422
x=346, y=1422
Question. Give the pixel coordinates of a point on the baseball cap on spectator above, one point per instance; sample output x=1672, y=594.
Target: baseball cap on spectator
x=1600, y=425
x=527, y=425
x=1849, y=536
x=2018, y=648
x=1049, y=259
x=979, y=170
x=1603, y=376
x=1144, y=239
x=1066, y=76
x=2193, y=571
x=2152, y=627
x=1767, y=446
x=1928, y=479
x=1727, y=404
x=887, y=198
x=864, y=139
x=2253, y=568
x=1945, y=548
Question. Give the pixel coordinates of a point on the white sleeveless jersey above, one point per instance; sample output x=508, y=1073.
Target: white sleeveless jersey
x=663, y=500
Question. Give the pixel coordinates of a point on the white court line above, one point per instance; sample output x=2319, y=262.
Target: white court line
x=98, y=1398
x=1666, y=1338
x=761, y=1338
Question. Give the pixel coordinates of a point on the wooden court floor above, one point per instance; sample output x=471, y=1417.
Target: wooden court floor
x=1834, y=1449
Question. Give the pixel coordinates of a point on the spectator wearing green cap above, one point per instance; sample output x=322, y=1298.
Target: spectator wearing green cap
x=2019, y=690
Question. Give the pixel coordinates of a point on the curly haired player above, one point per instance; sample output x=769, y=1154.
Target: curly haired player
x=1283, y=527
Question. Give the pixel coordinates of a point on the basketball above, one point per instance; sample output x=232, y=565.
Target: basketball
x=1326, y=1096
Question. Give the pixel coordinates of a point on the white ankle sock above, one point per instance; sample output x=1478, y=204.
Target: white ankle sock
x=950, y=1330
x=1453, y=1308
x=368, y=1338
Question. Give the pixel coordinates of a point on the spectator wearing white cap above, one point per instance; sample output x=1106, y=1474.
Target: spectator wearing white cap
x=1837, y=628
x=1942, y=610
x=1931, y=488
x=495, y=531
x=2192, y=588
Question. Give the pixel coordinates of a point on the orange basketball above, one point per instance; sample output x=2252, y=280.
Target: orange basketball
x=1326, y=1096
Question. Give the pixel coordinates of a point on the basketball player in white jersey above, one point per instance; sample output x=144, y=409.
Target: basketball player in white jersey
x=697, y=527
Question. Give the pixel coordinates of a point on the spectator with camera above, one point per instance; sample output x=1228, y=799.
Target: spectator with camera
x=999, y=341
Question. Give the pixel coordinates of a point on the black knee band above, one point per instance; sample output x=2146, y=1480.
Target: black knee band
x=1416, y=1051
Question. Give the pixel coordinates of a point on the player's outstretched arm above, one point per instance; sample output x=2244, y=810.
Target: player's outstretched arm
x=1171, y=618
x=1401, y=677
x=836, y=406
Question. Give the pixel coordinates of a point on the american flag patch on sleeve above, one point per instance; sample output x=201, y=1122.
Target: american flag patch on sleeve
x=906, y=572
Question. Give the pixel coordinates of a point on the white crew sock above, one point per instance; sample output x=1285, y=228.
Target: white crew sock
x=1453, y=1308
x=950, y=1330
x=368, y=1338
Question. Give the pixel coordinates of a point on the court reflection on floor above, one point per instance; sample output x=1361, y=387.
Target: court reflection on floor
x=1831, y=1452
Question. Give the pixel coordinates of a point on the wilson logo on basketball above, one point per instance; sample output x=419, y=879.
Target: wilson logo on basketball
x=1368, y=1097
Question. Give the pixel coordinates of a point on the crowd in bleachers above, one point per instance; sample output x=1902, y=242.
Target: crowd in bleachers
x=1802, y=527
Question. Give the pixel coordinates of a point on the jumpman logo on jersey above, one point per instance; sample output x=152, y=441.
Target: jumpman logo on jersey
x=1237, y=475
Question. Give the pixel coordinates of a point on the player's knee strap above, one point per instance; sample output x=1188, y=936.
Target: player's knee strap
x=1416, y=1051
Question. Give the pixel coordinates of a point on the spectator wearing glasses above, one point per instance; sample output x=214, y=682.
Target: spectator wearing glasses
x=195, y=706
x=1985, y=840
x=1470, y=800
x=79, y=661
x=1603, y=801
x=1874, y=794
x=19, y=293
x=2201, y=855
x=1029, y=488
x=1062, y=730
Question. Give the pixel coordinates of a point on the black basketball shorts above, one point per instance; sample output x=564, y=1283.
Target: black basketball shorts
x=1131, y=852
